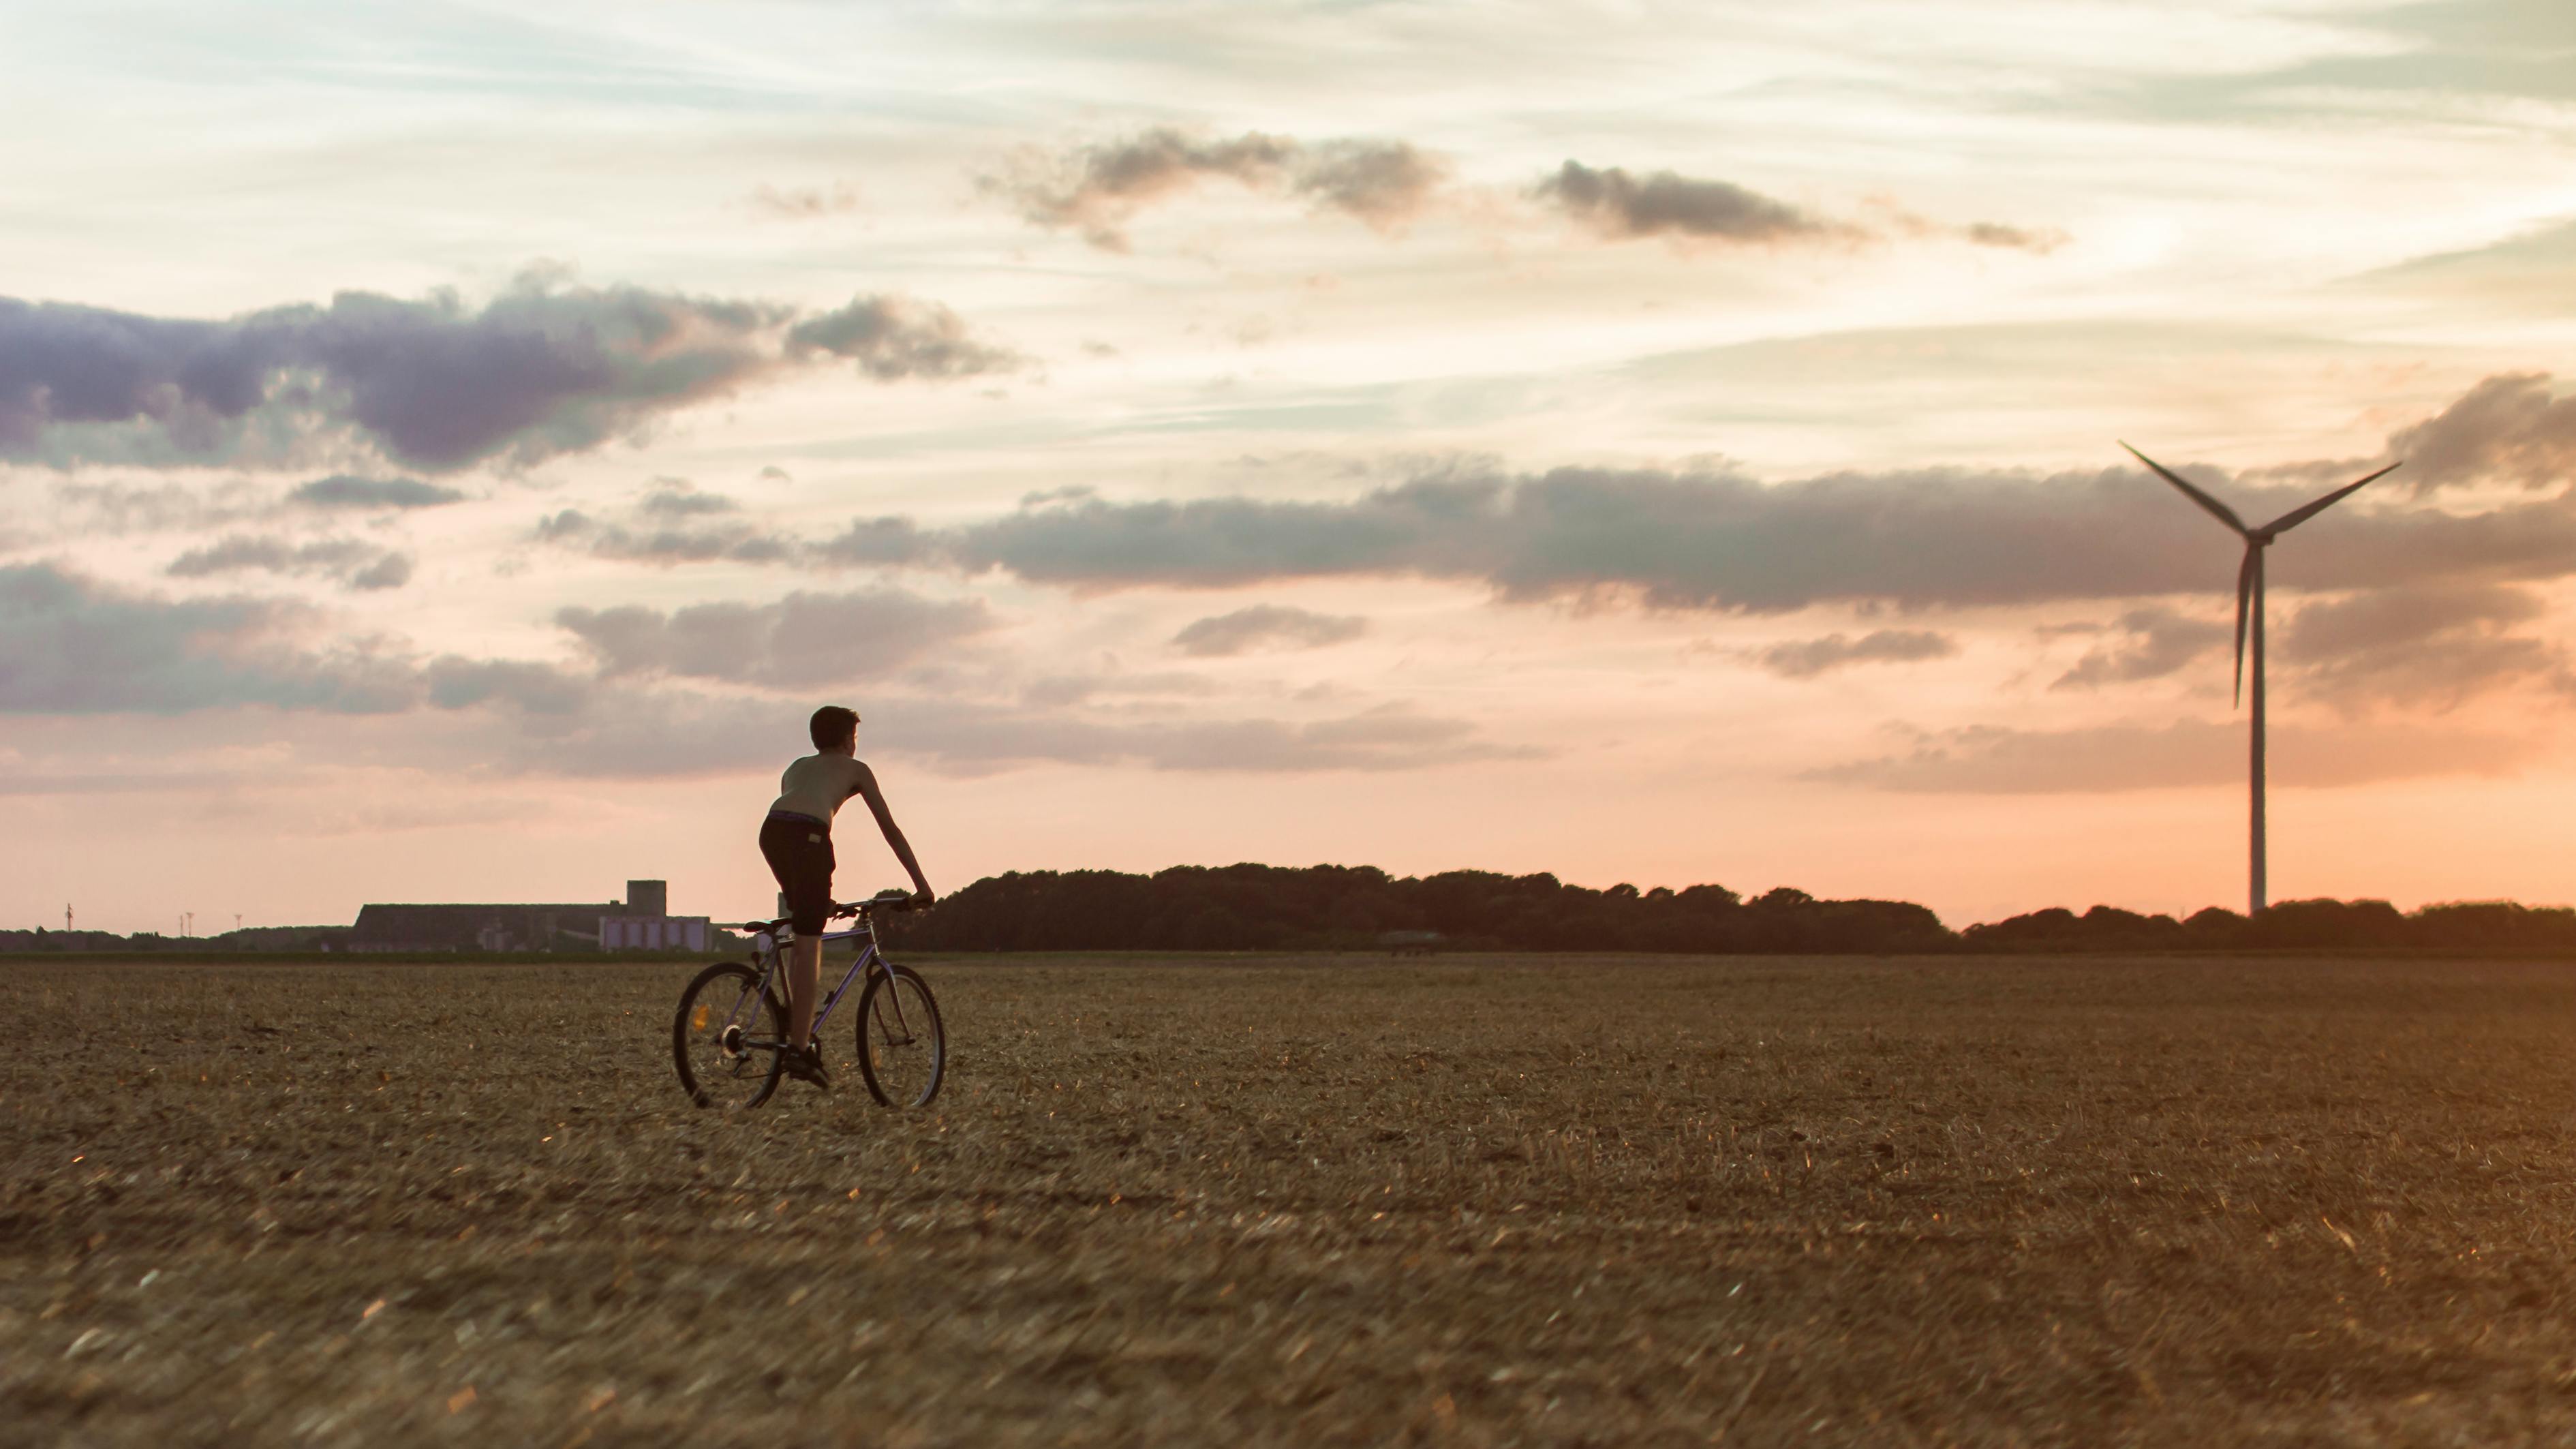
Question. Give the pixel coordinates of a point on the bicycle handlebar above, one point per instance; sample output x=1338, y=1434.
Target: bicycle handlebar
x=884, y=900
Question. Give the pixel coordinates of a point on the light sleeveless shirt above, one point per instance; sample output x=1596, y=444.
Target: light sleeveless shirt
x=816, y=785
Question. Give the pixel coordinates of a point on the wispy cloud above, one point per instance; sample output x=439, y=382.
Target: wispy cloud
x=355, y=564
x=1266, y=626
x=1615, y=204
x=1996, y=760
x=1097, y=189
x=670, y=522
x=72, y=645
x=2146, y=644
x=803, y=638
x=1807, y=658
x=892, y=338
x=343, y=491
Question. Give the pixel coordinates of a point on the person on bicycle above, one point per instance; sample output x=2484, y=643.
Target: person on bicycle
x=796, y=840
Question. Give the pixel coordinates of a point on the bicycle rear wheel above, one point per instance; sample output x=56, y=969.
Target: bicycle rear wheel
x=903, y=1052
x=725, y=1038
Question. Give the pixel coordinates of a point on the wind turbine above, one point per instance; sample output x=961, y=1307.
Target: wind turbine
x=2249, y=606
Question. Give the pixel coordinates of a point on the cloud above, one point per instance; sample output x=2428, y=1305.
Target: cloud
x=343, y=491
x=538, y=371
x=2507, y=429
x=70, y=645
x=1266, y=626
x=1807, y=658
x=2153, y=643
x=353, y=563
x=1620, y=206
x=2435, y=645
x=1721, y=541
x=456, y=682
x=806, y=203
x=873, y=541
x=2042, y=240
x=898, y=337
x=1383, y=183
x=1096, y=189
x=1994, y=760
x=670, y=522
x=802, y=639
x=113, y=509
x=970, y=738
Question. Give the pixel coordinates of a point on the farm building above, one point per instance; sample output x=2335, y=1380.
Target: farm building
x=640, y=922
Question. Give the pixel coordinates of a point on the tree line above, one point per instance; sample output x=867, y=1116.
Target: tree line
x=1361, y=908
x=1345, y=908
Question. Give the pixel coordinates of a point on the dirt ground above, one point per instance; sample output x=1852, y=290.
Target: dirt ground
x=1563, y=1201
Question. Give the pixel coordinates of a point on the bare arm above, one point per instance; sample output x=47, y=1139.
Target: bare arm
x=868, y=791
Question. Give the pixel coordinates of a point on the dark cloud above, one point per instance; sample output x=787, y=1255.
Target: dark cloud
x=343, y=491
x=1807, y=658
x=1096, y=189
x=1618, y=205
x=1915, y=540
x=802, y=639
x=2417, y=646
x=433, y=384
x=2507, y=429
x=356, y=564
x=71, y=645
x=2431, y=646
x=1266, y=626
x=2150, y=644
x=1993, y=760
x=899, y=337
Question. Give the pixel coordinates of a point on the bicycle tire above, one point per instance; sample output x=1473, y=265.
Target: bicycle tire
x=908, y=1024
x=698, y=1026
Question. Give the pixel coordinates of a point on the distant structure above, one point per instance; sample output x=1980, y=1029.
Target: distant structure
x=1411, y=943
x=648, y=925
x=641, y=922
x=2249, y=612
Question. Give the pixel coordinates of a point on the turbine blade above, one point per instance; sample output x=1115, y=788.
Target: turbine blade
x=2244, y=599
x=2217, y=510
x=2297, y=516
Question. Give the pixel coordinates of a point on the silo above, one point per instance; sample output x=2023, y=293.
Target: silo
x=648, y=898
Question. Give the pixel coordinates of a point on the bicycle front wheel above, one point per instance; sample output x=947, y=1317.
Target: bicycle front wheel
x=903, y=1053
x=725, y=1038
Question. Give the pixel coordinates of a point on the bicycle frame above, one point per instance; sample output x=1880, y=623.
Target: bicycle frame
x=765, y=948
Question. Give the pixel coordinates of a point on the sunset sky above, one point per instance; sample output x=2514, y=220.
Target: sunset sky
x=446, y=450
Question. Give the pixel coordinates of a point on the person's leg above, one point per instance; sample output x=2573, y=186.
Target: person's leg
x=804, y=986
x=800, y=855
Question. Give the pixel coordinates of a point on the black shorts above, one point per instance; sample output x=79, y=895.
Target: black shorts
x=799, y=853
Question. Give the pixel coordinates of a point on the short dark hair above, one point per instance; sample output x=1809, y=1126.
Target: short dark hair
x=831, y=725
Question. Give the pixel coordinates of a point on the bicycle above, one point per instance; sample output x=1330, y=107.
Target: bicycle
x=732, y=1021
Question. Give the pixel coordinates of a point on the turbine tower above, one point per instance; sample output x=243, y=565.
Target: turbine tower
x=2249, y=607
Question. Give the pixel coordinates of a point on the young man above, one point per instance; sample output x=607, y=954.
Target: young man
x=796, y=840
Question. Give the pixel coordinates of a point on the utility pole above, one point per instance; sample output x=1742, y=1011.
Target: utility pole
x=67, y=915
x=236, y=920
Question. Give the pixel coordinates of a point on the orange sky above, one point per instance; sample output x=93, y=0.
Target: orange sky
x=1661, y=444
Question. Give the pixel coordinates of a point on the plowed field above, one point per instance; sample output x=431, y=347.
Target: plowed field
x=1294, y=1202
